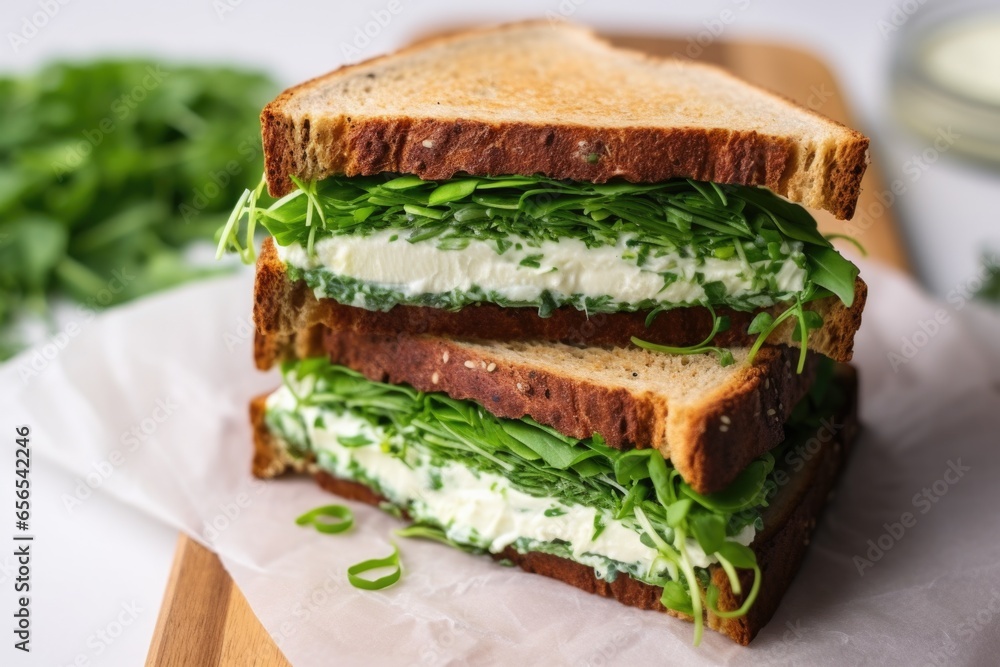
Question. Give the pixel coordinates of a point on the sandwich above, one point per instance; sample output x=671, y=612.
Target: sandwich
x=562, y=304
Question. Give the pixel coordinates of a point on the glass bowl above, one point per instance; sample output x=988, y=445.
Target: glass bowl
x=946, y=74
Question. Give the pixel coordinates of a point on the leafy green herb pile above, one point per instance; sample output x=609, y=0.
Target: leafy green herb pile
x=691, y=218
x=109, y=169
x=638, y=487
x=682, y=215
x=990, y=291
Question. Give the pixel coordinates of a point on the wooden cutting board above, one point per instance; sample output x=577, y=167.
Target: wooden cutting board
x=206, y=621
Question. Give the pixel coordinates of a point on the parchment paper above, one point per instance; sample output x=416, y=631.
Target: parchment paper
x=149, y=403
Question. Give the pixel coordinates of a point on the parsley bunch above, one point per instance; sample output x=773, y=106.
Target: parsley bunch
x=109, y=170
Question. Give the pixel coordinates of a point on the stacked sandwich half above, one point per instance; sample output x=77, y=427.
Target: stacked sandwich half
x=561, y=304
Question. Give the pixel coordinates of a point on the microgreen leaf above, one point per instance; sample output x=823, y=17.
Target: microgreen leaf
x=742, y=492
x=550, y=448
x=404, y=183
x=677, y=512
x=709, y=530
x=761, y=322
x=676, y=597
x=505, y=183
x=791, y=219
x=812, y=319
x=737, y=554
x=425, y=212
x=452, y=191
x=632, y=466
x=832, y=271
x=434, y=533
x=359, y=440
x=660, y=478
x=769, y=325
x=724, y=355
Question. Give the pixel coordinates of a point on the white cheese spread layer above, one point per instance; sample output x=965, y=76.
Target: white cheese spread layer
x=523, y=273
x=474, y=507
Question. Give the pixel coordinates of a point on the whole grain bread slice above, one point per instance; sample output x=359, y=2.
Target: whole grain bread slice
x=282, y=308
x=780, y=547
x=710, y=420
x=534, y=98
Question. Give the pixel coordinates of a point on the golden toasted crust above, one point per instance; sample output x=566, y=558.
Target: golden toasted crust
x=311, y=132
x=780, y=547
x=281, y=308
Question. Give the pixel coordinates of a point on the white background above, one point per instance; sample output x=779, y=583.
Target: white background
x=100, y=556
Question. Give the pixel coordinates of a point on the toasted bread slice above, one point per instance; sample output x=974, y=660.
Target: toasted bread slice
x=710, y=420
x=282, y=308
x=534, y=98
x=789, y=522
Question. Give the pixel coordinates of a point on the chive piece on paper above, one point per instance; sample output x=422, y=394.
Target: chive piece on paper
x=329, y=519
x=392, y=560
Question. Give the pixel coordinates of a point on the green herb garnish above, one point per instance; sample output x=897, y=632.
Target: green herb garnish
x=719, y=324
x=392, y=560
x=764, y=324
x=682, y=214
x=636, y=487
x=990, y=291
x=688, y=218
x=109, y=170
x=435, y=534
x=319, y=519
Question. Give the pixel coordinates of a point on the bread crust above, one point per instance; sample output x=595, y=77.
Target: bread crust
x=780, y=547
x=709, y=441
x=281, y=308
x=313, y=148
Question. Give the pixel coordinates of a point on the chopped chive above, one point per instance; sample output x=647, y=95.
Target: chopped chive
x=319, y=519
x=392, y=560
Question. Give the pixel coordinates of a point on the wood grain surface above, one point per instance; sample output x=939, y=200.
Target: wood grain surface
x=206, y=621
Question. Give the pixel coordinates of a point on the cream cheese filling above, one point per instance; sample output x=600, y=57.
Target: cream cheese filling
x=567, y=267
x=475, y=507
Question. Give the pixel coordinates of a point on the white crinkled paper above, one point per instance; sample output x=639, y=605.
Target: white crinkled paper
x=176, y=371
